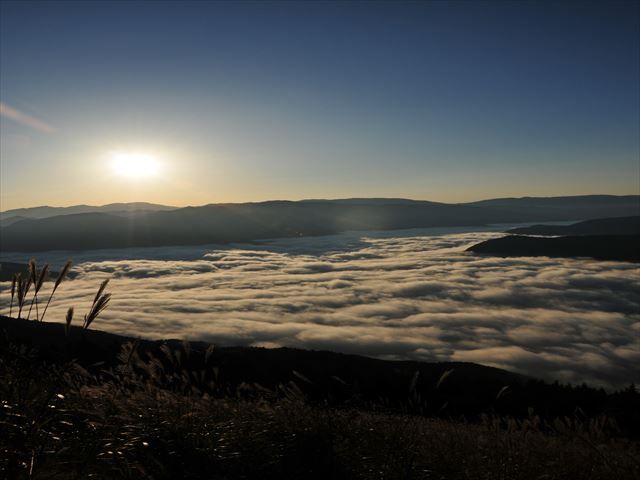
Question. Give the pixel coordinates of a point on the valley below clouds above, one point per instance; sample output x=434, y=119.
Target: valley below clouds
x=393, y=295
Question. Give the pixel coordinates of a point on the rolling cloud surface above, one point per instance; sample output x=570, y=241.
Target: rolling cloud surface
x=409, y=296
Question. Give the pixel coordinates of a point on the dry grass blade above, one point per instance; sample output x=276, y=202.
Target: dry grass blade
x=208, y=354
x=168, y=353
x=100, y=302
x=443, y=377
x=128, y=351
x=67, y=324
x=61, y=275
x=14, y=280
x=339, y=380
x=186, y=347
x=414, y=382
x=33, y=279
x=33, y=270
x=44, y=273
x=502, y=391
x=23, y=291
x=38, y=280
x=19, y=289
x=98, y=306
x=301, y=377
x=103, y=285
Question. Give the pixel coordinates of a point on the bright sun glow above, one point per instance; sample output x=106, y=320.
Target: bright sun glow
x=134, y=165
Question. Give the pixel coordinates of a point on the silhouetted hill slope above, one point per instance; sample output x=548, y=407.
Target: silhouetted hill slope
x=9, y=269
x=231, y=223
x=469, y=389
x=46, y=211
x=6, y=221
x=602, y=247
x=373, y=201
x=469, y=386
x=580, y=207
x=601, y=226
x=252, y=221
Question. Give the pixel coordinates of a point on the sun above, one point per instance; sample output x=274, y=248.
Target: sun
x=134, y=165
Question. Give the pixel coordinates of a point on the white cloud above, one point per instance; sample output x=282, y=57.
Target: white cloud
x=22, y=118
x=415, y=297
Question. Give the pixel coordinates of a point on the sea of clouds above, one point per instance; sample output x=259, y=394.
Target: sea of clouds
x=396, y=295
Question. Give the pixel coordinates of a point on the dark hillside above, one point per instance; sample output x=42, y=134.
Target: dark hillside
x=222, y=223
x=72, y=407
x=600, y=226
x=622, y=248
x=469, y=390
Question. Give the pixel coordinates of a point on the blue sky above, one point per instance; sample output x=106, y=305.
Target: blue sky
x=449, y=101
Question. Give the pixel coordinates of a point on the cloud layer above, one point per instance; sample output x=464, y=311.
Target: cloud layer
x=417, y=297
x=24, y=119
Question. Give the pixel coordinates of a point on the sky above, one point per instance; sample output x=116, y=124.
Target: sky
x=188, y=103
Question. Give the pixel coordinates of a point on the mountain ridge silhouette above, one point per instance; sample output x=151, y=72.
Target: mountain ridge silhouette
x=246, y=222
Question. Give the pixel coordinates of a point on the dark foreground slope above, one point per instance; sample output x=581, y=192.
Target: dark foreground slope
x=252, y=221
x=622, y=248
x=469, y=389
x=600, y=226
x=171, y=410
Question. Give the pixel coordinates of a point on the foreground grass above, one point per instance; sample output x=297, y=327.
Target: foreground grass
x=147, y=419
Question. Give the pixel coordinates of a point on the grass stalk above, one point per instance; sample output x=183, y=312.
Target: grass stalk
x=39, y=279
x=13, y=291
x=23, y=289
x=61, y=276
x=67, y=324
x=100, y=302
x=33, y=278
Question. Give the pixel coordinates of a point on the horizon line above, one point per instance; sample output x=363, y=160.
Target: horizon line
x=320, y=199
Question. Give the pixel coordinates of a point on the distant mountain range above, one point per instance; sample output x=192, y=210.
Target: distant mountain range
x=137, y=225
x=12, y=216
x=600, y=226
